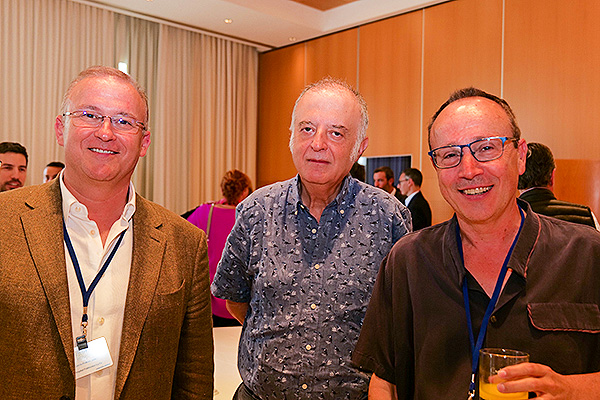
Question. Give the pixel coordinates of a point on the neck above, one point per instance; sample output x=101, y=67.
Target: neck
x=485, y=246
x=316, y=196
x=104, y=202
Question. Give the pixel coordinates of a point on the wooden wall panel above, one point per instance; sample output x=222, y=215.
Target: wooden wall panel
x=390, y=81
x=577, y=181
x=333, y=55
x=463, y=47
x=551, y=79
x=281, y=79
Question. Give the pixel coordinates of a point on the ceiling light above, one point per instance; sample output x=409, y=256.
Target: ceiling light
x=228, y=20
x=292, y=39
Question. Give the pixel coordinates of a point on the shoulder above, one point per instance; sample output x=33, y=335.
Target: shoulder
x=266, y=196
x=564, y=231
x=368, y=194
x=431, y=237
x=27, y=198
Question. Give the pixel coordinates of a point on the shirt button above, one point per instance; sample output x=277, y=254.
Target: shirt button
x=93, y=232
x=308, y=347
x=304, y=386
x=100, y=321
x=341, y=211
x=314, y=230
x=313, y=306
x=317, y=266
x=493, y=319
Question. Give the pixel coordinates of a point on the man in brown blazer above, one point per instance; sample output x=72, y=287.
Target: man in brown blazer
x=149, y=314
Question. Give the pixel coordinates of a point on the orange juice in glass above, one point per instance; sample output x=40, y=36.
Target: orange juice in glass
x=490, y=362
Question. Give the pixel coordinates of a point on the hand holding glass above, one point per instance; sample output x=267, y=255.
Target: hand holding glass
x=490, y=362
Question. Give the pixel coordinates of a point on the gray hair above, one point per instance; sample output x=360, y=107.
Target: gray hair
x=329, y=83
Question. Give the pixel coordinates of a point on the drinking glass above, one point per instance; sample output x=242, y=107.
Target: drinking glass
x=490, y=362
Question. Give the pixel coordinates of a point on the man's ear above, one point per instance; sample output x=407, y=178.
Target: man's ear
x=59, y=128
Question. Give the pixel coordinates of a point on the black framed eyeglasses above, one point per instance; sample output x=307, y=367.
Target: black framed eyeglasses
x=92, y=120
x=483, y=150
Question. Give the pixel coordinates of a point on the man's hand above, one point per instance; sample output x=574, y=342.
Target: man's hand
x=237, y=310
x=380, y=389
x=547, y=384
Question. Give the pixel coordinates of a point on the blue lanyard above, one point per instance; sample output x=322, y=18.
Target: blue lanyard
x=475, y=347
x=86, y=293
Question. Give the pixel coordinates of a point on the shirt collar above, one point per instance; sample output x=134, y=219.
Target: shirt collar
x=525, y=245
x=343, y=199
x=410, y=197
x=72, y=207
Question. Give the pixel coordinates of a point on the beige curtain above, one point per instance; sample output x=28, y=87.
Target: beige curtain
x=44, y=44
x=202, y=92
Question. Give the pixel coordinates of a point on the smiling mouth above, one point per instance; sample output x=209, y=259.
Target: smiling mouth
x=101, y=151
x=474, y=191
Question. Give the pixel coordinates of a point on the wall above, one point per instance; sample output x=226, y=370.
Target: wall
x=540, y=55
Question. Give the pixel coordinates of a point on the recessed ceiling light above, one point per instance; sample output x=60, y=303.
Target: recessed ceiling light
x=228, y=20
x=292, y=39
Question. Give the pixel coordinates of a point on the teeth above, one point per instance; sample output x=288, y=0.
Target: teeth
x=478, y=190
x=103, y=151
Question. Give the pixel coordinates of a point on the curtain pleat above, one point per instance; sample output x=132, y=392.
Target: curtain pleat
x=202, y=92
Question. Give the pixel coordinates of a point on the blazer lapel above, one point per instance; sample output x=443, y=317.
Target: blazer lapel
x=42, y=227
x=148, y=249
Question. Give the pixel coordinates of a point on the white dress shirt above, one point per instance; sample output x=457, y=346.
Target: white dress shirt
x=107, y=302
x=410, y=197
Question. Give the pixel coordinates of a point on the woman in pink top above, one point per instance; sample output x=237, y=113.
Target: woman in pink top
x=217, y=219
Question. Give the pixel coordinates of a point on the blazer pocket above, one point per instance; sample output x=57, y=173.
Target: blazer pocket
x=170, y=298
x=574, y=317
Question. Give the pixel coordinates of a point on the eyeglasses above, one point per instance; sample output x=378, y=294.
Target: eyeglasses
x=119, y=123
x=483, y=150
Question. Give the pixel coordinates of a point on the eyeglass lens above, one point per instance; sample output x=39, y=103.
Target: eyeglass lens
x=483, y=150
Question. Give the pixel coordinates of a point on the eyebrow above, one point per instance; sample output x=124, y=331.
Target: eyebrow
x=340, y=127
x=94, y=108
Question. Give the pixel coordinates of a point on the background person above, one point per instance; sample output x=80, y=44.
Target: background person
x=383, y=178
x=409, y=186
x=536, y=185
x=217, y=219
x=13, y=166
x=52, y=170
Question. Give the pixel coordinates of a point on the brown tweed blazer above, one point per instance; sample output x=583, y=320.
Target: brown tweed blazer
x=166, y=346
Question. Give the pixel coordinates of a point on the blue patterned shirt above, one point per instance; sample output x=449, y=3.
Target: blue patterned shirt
x=308, y=285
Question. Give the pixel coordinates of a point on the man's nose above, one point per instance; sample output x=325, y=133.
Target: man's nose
x=319, y=141
x=105, y=131
x=469, y=167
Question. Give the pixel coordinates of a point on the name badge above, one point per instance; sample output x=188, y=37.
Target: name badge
x=94, y=358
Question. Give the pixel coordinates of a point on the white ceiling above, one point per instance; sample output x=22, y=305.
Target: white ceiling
x=266, y=24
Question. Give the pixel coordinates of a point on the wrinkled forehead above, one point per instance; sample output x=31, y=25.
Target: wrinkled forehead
x=108, y=93
x=469, y=119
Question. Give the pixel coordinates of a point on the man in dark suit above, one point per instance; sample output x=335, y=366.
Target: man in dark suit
x=536, y=187
x=144, y=330
x=410, y=186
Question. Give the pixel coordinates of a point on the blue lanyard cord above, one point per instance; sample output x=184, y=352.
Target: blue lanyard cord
x=85, y=294
x=475, y=347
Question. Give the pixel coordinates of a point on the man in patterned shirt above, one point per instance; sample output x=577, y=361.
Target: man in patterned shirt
x=301, y=261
